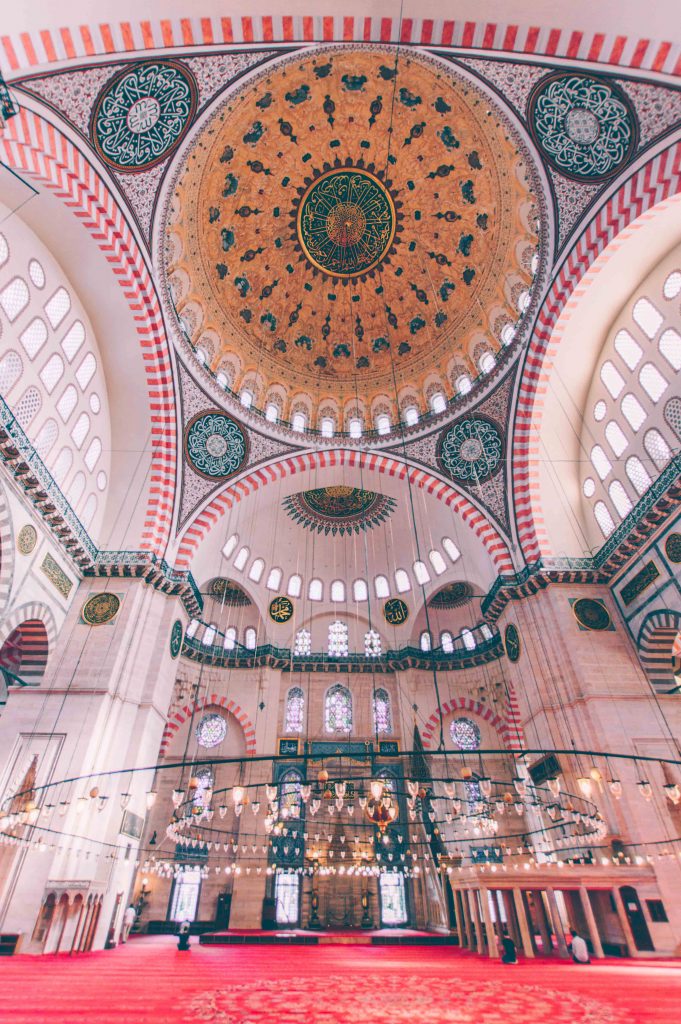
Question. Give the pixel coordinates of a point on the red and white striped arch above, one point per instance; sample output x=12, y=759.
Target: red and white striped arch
x=202, y=524
x=656, y=181
x=178, y=718
x=39, y=47
x=34, y=147
x=509, y=728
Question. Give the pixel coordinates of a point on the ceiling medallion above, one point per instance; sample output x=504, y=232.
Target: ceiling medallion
x=471, y=449
x=142, y=113
x=228, y=593
x=585, y=125
x=346, y=221
x=27, y=539
x=281, y=609
x=672, y=547
x=338, y=510
x=176, y=635
x=453, y=595
x=215, y=445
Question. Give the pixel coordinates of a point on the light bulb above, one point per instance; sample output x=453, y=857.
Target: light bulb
x=584, y=784
x=615, y=788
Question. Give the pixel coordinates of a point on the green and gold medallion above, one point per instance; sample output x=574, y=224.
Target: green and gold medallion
x=512, y=642
x=591, y=614
x=176, y=635
x=395, y=611
x=346, y=222
x=281, y=609
x=101, y=608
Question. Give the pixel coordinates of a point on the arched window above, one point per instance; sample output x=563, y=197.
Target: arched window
x=315, y=591
x=507, y=334
x=81, y=429
x=603, y=518
x=28, y=407
x=672, y=286
x=338, y=590
x=638, y=474
x=86, y=371
x=487, y=362
x=303, y=643
x=295, y=710
x=600, y=409
x=34, y=337
x=402, y=581
x=437, y=562
x=46, y=438
x=52, y=372
x=192, y=628
x=383, y=424
x=421, y=573
x=612, y=378
x=230, y=545
x=616, y=438
x=250, y=638
x=338, y=639
x=383, y=719
x=295, y=585
x=72, y=340
x=600, y=461
x=62, y=465
x=14, y=298
x=468, y=639
x=451, y=549
x=463, y=384
x=652, y=381
x=76, y=488
x=327, y=426
x=10, y=371
x=446, y=642
x=360, y=591
x=57, y=307
x=230, y=638
x=670, y=347
x=381, y=586
x=486, y=631
x=299, y=422
x=209, y=635
x=241, y=558
x=355, y=427
x=338, y=710
x=271, y=412
x=274, y=579
x=589, y=487
x=647, y=316
x=438, y=402
x=657, y=448
x=67, y=402
x=246, y=398
x=628, y=349
x=426, y=643
x=93, y=453
x=411, y=416
x=633, y=411
x=619, y=498
x=372, y=644
x=256, y=570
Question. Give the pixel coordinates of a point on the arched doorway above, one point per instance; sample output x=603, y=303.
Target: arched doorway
x=659, y=644
x=25, y=651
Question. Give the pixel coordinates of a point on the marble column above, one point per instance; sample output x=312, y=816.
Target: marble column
x=624, y=923
x=591, y=923
x=525, y=934
x=478, y=944
x=492, y=944
x=557, y=923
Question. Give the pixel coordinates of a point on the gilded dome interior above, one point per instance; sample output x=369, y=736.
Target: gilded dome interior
x=347, y=229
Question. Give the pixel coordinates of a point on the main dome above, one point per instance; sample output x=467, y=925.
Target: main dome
x=349, y=234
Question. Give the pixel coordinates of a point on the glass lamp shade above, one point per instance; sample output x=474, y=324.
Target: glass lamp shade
x=178, y=797
x=616, y=788
x=150, y=799
x=238, y=794
x=376, y=788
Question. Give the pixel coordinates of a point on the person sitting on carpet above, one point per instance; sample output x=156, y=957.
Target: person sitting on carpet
x=579, y=949
x=509, y=955
x=183, y=932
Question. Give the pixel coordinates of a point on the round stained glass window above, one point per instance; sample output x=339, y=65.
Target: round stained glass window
x=465, y=734
x=211, y=730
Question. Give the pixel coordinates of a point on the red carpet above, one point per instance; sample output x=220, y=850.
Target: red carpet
x=149, y=982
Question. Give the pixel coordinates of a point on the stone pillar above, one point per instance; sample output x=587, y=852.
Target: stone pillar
x=557, y=923
x=463, y=896
x=513, y=932
x=624, y=923
x=457, y=917
x=525, y=934
x=492, y=945
x=591, y=922
x=547, y=945
x=476, y=932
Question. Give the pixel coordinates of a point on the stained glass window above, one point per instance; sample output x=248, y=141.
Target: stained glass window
x=465, y=734
x=204, y=788
x=295, y=710
x=303, y=644
x=372, y=644
x=290, y=792
x=382, y=712
x=338, y=710
x=211, y=730
x=338, y=639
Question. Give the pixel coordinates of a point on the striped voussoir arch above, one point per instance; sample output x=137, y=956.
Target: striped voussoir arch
x=29, y=49
x=510, y=731
x=178, y=718
x=6, y=552
x=659, y=179
x=26, y=635
x=205, y=520
x=659, y=649
x=36, y=148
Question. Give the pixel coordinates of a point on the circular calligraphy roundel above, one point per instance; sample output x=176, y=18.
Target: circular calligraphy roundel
x=346, y=222
x=142, y=113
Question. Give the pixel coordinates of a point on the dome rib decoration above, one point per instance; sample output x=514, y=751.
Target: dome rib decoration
x=338, y=510
x=325, y=245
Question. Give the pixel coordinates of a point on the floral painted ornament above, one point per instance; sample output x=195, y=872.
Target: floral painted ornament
x=215, y=445
x=471, y=450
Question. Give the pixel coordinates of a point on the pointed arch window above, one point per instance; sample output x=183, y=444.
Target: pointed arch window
x=383, y=719
x=295, y=710
x=338, y=710
x=438, y=402
x=271, y=412
x=338, y=639
x=303, y=643
x=230, y=638
x=250, y=639
x=411, y=416
x=426, y=642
